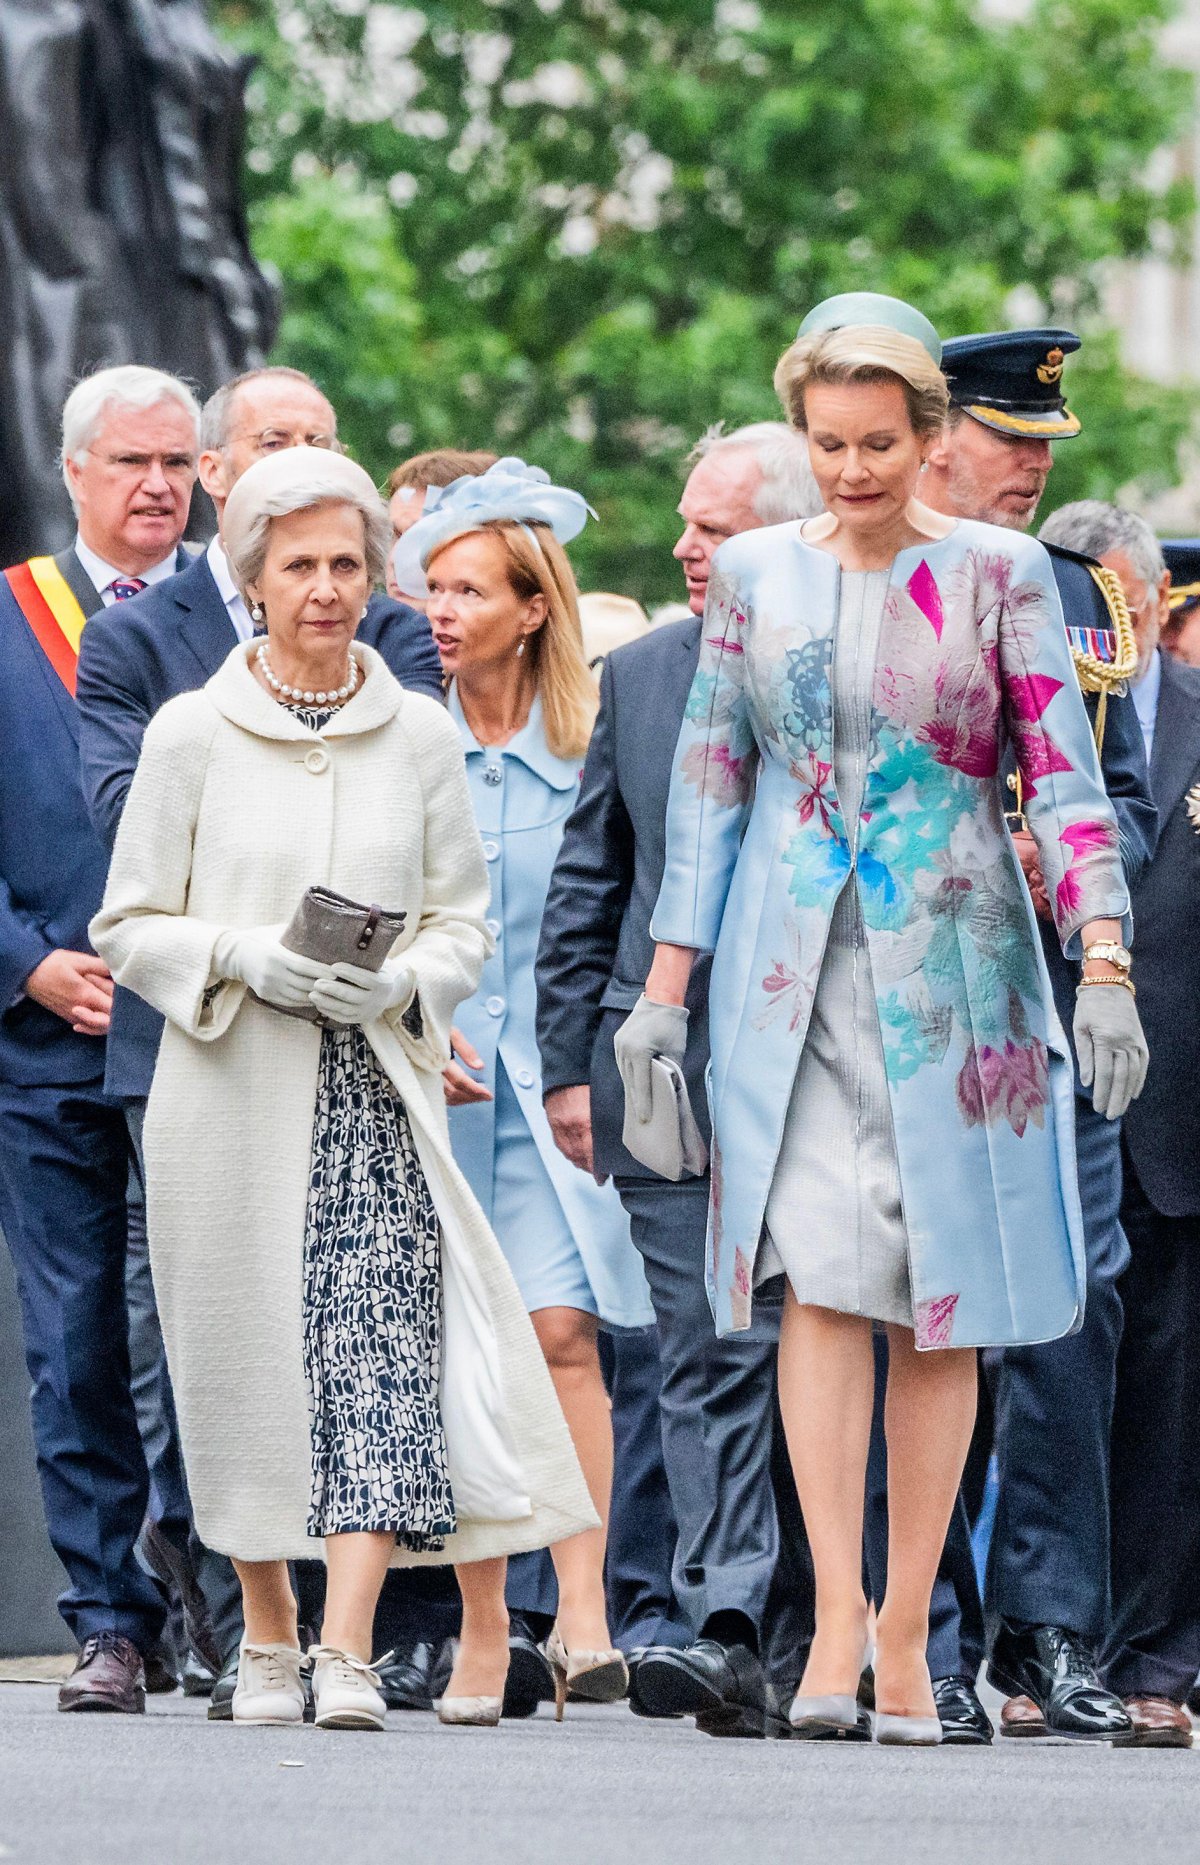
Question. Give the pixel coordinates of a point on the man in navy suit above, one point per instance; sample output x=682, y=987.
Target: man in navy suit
x=1047, y=1583
x=171, y=639
x=130, y=442
x=1152, y=1654
x=717, y=1396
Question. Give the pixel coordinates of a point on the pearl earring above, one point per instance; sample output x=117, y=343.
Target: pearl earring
x=256, y=611
x=520, y=647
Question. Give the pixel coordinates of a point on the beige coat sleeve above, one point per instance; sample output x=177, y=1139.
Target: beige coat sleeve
x=452, y=941
x=143, y=930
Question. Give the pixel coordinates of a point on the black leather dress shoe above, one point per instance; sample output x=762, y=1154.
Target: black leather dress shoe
x=633, y=1659
x=723, y=1687
x=965, y=1722
x=530, y=1678
x=406, y=1683
x=1053, y=1666
x=220, y=1703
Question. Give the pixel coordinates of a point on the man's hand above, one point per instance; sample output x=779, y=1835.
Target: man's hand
x=460, y=1090
x=569, y=1111
x=1031, y=868
x=76, y=986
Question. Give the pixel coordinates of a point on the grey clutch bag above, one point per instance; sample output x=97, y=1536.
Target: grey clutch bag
x=336, y=931
x=669, y=1143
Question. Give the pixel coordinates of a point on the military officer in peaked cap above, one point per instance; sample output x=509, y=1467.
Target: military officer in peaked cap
x=1181, y=634
x=1048, y=1572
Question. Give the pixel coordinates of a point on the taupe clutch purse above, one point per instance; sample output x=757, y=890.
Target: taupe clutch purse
x=669, y=1143
x=333, y=930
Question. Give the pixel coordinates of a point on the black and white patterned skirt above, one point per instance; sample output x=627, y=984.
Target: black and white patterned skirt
x=372, y=1311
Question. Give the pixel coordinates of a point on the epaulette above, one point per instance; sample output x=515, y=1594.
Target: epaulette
x=1099, y=626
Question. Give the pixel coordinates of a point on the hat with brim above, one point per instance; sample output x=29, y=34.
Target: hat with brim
x=1182, y=558
x=874, y=310
x=1011, y=381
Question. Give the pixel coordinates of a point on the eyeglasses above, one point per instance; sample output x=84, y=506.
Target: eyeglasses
x=276, y=439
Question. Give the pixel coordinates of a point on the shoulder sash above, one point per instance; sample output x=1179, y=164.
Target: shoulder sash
x=50, y=607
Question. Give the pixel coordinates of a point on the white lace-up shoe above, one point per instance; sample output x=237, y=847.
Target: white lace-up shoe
x=268, y=1688
x=345, y=1690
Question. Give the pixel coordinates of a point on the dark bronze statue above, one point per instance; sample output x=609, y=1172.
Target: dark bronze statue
x=122, y=234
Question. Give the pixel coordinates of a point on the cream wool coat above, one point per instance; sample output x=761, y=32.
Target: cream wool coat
x=236, y=808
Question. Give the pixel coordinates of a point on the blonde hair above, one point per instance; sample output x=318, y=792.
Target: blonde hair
x=864, y=353
x=537, y=565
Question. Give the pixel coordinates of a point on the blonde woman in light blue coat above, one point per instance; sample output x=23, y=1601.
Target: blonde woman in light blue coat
x=503, y=609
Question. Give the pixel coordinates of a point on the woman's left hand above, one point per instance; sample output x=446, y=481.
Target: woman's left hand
x=351, y=995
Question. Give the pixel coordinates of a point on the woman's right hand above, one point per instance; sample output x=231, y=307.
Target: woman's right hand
x=254, y=957
x=459, y=1089
x=649, y=1030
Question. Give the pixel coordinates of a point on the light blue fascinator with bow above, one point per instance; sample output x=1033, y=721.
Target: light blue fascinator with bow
x=508, y=490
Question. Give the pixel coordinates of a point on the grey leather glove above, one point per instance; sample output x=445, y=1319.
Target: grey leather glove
x=1112, y=1051
x=649, y=1030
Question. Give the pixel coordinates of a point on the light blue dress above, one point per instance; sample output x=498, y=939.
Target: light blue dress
x=565, y=1237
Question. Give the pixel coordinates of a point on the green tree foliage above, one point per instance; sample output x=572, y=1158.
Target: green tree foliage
x=583, y=230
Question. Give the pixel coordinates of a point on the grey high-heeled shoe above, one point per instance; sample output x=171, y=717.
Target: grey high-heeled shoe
x=905, y=1731
x=832, y=1718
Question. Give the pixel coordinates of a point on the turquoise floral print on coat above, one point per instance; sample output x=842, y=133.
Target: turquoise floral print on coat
x=973, y=653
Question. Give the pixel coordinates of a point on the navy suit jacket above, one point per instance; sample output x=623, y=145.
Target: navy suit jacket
x=132, y=660
x=1162, y=1127
x=1126, y=779
x=595, y=947
x=53, y=864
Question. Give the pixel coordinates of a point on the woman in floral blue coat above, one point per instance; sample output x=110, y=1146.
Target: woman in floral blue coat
x=891, y=1091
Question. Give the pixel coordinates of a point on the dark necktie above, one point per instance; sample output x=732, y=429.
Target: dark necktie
x=123, y=587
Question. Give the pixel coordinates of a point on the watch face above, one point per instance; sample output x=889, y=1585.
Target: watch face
x=1110, y=950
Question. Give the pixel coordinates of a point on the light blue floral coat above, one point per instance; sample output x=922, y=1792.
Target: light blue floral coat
x=973, y=652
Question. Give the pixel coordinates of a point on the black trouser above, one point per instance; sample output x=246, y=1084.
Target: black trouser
x=1153, y=1647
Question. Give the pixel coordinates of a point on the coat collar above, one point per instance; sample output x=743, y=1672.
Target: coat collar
x=237, y=695
x=529, y=745
x=1176, y=749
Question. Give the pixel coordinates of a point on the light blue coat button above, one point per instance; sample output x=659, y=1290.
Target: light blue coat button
x=494, y=927
x=491, y=851
x=523, y=1078
x=494, y=1006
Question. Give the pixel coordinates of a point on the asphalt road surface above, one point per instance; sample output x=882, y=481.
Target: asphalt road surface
x=605, y=1789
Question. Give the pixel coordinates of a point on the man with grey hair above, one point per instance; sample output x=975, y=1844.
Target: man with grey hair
x=130, y=438
x=717, y=1399
x=756, y=475
x=1047, y=1581
x=1151, y=1656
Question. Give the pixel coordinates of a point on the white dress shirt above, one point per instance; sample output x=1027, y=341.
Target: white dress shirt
x=1145, y=699
x=104, y=575
x=231, y=596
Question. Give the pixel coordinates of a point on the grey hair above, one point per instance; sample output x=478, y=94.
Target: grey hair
x=329, y=479
x=788, y=488
x=128, y=385
x=217, y=415
x=1093, y=528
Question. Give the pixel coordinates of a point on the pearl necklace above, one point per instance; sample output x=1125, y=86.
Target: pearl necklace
x=294, y=695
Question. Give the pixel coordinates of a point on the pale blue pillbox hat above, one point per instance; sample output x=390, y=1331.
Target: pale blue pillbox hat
x=872, y=307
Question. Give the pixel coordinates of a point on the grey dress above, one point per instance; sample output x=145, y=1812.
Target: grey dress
x=834, y=1220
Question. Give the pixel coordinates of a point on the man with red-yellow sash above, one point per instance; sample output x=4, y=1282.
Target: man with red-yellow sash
x=130, y=448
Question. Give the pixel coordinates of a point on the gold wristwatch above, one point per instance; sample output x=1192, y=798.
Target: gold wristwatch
x=1118, y=956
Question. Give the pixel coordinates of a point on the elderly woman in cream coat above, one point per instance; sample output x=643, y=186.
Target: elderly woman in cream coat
x=351, y=1360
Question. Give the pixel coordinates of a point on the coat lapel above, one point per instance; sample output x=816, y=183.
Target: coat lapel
x=1176, y=741
x=204, y=627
